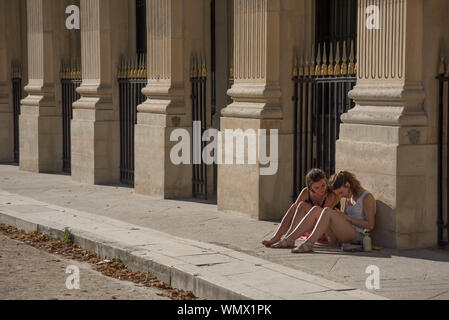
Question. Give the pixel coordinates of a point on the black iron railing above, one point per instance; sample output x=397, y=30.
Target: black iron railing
x=70, y=80
x=132, y=78
x=321, y=88
x=17, y=97
x=198, y=80
x=443, y=157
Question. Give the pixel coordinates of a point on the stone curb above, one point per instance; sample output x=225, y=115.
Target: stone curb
x=165, y=271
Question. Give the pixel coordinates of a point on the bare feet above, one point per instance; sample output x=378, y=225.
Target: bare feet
x=269, y=243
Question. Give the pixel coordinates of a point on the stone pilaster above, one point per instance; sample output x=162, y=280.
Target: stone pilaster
x=40, y=120
x=384, y=140
x=6, y=109
x=260, y=72
x=95, y=126
x=256, y=60
x=175, y=30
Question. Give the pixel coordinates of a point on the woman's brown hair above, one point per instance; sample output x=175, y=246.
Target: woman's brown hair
x=314, y=176
x=340, y=179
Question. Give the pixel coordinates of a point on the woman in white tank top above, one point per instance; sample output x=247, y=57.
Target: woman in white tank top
x=344, y=227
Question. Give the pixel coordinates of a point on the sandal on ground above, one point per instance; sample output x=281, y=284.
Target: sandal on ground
x=304, y=248
x=284, y=244
x=323, y=240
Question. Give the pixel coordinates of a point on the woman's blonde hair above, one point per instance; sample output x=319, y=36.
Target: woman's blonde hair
x=340, y=179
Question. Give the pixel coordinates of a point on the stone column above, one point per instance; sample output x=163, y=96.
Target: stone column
x=385, y=139
x=40, y=120
x=12, y=51
x=6, y=108
x=261, y=70
x=175, y=30
x=95, y=125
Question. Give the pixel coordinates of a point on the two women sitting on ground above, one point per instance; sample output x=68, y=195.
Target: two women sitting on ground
x=316, y=211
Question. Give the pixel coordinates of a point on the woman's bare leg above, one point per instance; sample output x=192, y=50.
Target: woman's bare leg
x=332, y=239
x=307, y=224
x=302, y=210
x=287, y=222
x=336, y=223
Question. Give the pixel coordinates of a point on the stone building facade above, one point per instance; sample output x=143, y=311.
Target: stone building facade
x=230, y=64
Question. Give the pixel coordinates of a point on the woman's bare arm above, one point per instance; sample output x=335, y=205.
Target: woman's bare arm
x=369, y=205
x=303, y=196
x=331, y=201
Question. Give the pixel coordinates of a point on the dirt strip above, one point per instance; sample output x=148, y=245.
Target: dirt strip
x=111, y=267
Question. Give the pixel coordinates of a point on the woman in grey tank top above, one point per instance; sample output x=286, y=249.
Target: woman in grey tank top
x=344, y=227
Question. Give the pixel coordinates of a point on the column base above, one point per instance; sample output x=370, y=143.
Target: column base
x=242, y=188
x=40, y=142
x=95, y=148
x=155, y=174
x=402, y=178
x=6, y=138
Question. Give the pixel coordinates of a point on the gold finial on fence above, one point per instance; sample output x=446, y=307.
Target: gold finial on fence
x=119, y=67
x=61, y=70
x=324, y=66
x=312, y=62
x=125, y=68
x=318, y=62
x=301, y=67
x=72, y=69
x=197, y=68
x=122, y=68
x=344, y=64
x=19, y=70
x=306, y=68
x=192, y=67
x=204, y=73
x=351, y=60
x=67, y=70
x=302, y=70
x=139, y=66
x=143, y=72
x=128, y=68
x=295, y=70
x=132, y=68
x=442, y=66
x=135, y=67
x=330, y=69
x=231, y=72
x=79, y=68
x=144, y=66
x=131, y=73
x=337, y=69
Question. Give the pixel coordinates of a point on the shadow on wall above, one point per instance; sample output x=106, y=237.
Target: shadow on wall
x=384, y=231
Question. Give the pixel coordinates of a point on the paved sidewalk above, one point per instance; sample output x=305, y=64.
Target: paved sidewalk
x=233, y=258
